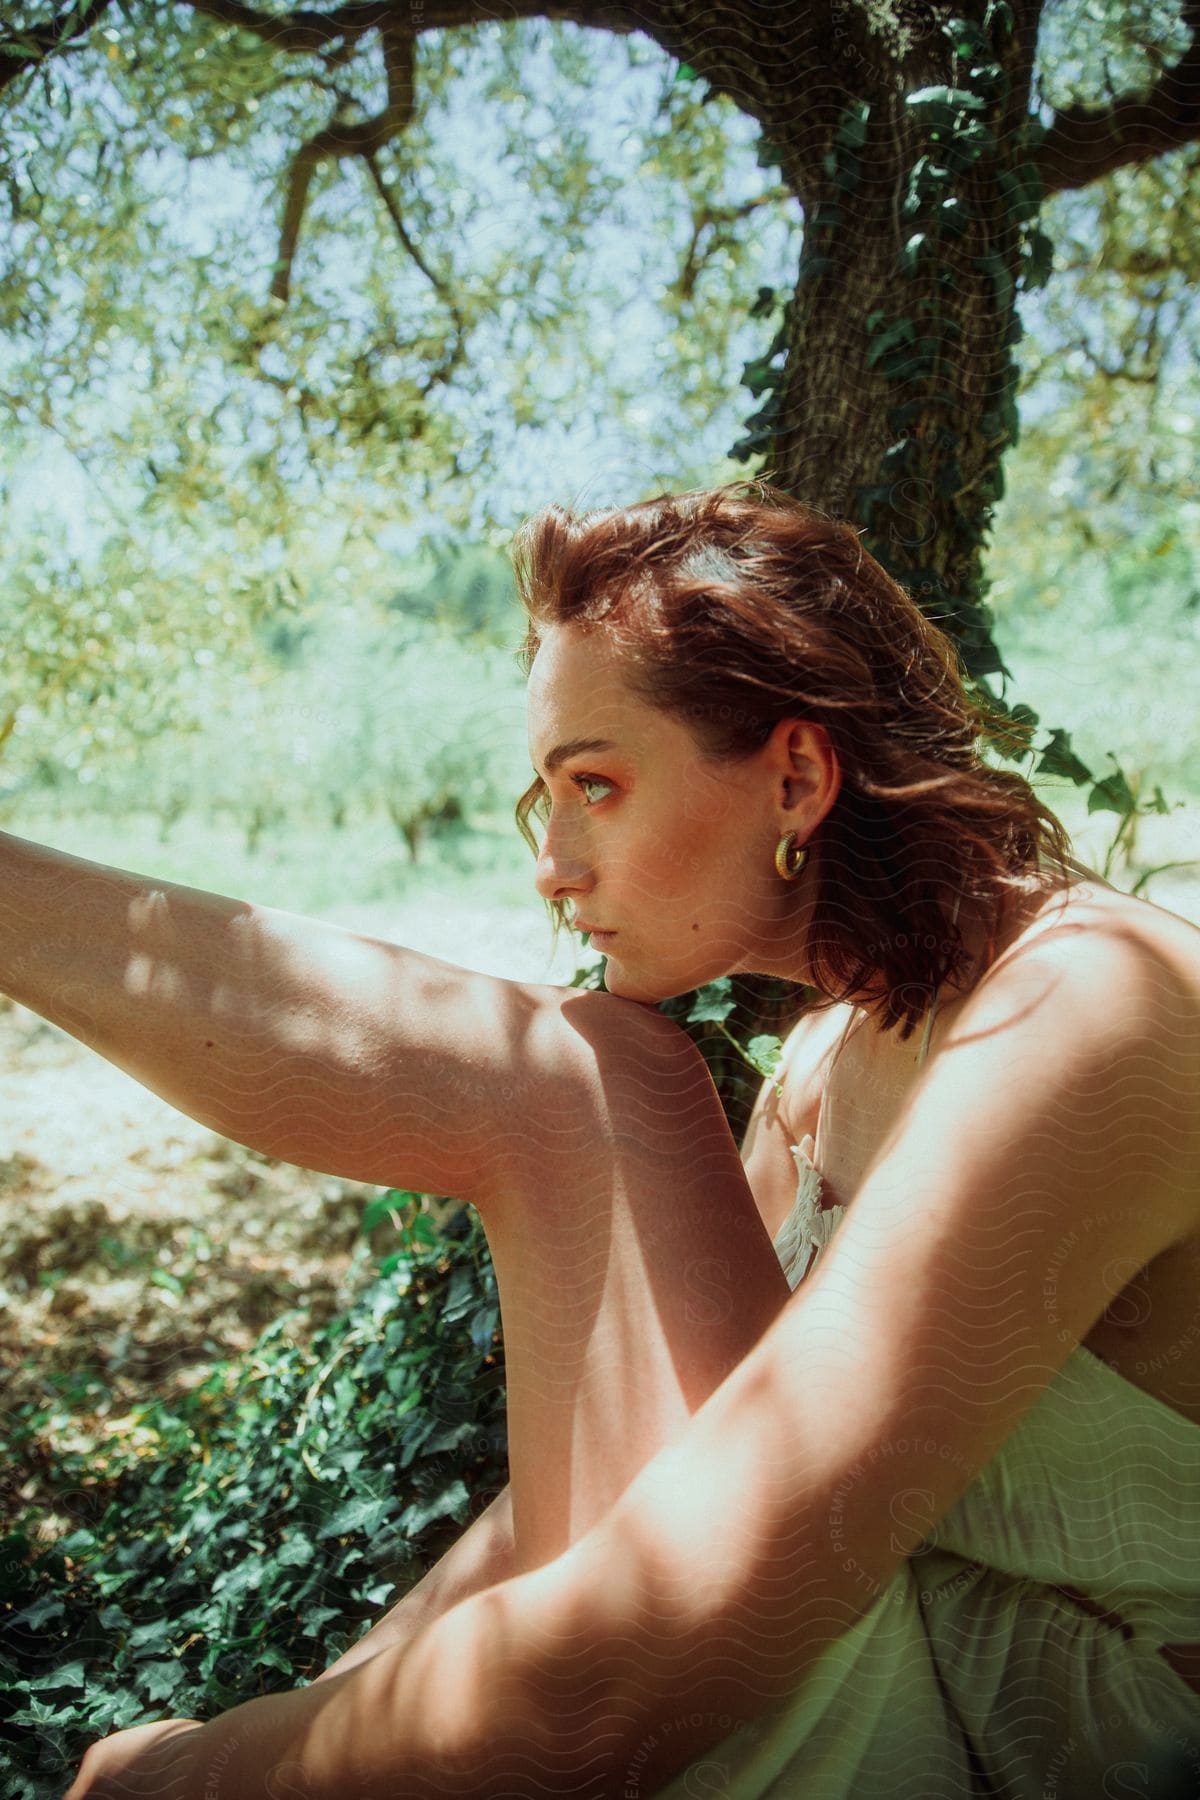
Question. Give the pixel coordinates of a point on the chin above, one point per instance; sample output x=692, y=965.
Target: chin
x=623, y=986
x=617, y=984
x=651, y=987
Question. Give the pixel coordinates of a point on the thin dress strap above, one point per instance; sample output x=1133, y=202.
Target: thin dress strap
x=841, y=1045
x=833, y=1063
x=809, y=1227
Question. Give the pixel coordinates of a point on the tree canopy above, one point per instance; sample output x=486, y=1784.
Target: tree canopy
x=366, y=264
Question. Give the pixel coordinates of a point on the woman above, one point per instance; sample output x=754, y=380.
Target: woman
x=930, y=1525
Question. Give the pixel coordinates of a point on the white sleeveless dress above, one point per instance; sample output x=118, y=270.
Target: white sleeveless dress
x=1017, y=1653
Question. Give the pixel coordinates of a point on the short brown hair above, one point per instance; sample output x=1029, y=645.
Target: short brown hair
x=737, y=607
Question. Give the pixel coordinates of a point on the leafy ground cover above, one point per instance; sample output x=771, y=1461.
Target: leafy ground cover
x=238, y=1535
x=246, y=1406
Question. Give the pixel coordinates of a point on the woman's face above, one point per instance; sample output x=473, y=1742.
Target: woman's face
x=667, y=855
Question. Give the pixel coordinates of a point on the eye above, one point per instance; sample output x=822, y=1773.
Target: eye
x=583, y=782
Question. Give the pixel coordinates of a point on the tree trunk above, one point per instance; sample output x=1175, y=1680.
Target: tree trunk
x=890, y=389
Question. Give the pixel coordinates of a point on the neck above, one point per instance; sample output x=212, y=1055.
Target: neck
x=790, y=956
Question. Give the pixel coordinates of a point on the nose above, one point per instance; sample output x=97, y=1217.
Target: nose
x=563, y=871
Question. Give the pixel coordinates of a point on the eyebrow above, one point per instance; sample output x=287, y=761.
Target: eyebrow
x=577, y=747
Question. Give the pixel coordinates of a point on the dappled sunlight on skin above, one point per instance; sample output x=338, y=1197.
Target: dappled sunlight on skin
x=604, y=1359
x=890, y=1473
x=428, y=1101
x=718, y=1491
x=330, y=1049
x=738, y=1515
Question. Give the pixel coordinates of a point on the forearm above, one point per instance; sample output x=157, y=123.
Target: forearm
x=150, y=975
x=316, y=1045
x=695, y=1606
x=480, y=1558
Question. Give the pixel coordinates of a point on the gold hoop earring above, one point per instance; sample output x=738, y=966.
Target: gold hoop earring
x=790, y=857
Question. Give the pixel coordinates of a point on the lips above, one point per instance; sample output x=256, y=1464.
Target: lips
x=592, y=930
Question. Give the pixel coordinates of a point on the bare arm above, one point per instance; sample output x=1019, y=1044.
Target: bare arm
x=482, y=1556
x=322, y=1047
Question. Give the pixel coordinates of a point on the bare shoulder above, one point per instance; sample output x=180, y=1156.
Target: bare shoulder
x=1096, y=994
x=1126, y=944
x=808, y=1051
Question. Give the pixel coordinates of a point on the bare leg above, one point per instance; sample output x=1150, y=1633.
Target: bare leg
x=633, y=1269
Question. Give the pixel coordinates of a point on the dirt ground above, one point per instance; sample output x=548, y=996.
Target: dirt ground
x=137, y=1244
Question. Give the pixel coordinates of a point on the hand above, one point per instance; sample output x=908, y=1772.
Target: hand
x=152, y=1760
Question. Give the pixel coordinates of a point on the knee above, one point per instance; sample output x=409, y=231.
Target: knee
x=594, y=1072
x=631, y=1055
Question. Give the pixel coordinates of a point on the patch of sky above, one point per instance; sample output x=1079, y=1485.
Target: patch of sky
x=487, y=185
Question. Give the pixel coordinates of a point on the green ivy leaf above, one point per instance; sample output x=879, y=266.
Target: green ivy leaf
x=764, y=1052
x=851, y=133
x=912, y=252
x=965, y=35
x=759, y=375
x=813, y=264
x=714, y=1002
x=1058, y=758
x=483, y=1328
x=951, y=98
x=1112, y=794
x=898, y=458
x=903, y=331
x=40, y=1613
x=900, y=417
x=378, y=1211
x=69, y=1675
x=161, y=1681
x=295, y=1552
x=1038, y=263
x=452, y=1502
x=422, y=1230
x=38, y=1712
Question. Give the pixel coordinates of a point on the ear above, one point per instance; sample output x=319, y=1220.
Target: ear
x=807, y=771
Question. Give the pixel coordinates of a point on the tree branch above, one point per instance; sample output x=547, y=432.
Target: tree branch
x=445, y=292
x=340, y=139
x=715, y=217
x=1083, y=144
x=300, y=32
x=66, y=31
x=393, y=211
x=307, y=30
